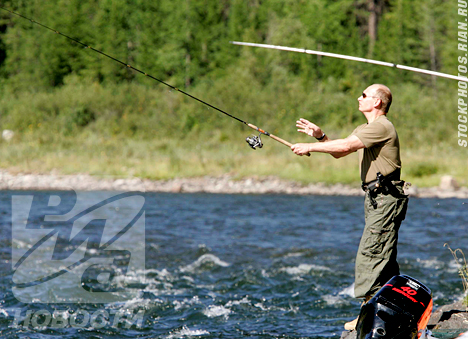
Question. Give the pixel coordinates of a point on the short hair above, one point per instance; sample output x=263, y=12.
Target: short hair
x=385, y=95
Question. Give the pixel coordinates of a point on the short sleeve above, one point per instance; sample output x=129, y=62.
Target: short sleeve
x=373, y=134
x=357, y=129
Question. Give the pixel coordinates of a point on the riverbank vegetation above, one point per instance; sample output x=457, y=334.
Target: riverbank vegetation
x=460, y=260
x=74, y=111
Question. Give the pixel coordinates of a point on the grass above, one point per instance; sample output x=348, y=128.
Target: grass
x=149, y=132
x=462, y=269
x=196, y=156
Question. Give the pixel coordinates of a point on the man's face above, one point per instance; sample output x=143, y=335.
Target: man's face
x=367, y=100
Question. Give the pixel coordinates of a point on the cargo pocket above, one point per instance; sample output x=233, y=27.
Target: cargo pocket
x=375, y=242
x=370, y=210
x=401, y=208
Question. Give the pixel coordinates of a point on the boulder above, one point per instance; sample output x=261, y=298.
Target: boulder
x=7, y=134
x=448, y=183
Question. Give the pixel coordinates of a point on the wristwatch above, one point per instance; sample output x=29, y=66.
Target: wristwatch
x=321, y=138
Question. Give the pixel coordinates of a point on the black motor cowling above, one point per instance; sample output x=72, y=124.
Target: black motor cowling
x=400, y=309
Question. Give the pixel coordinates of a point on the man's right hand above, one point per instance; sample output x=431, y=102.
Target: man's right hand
x=305, y=126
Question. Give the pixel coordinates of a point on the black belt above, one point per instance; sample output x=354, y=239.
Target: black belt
x=383, y=184
x=381, y=180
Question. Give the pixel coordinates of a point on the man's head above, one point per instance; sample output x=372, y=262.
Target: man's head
x=375, y=97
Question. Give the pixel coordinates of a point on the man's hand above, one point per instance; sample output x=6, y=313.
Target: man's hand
x=305, y=126
x=300, y=149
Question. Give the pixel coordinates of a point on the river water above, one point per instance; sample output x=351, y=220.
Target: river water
x=233, y=266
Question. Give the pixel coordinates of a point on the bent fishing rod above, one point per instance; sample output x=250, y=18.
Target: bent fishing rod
x=348, y=57
x=253, y=140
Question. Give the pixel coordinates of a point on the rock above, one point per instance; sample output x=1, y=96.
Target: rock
x=448, y=183
x=443, y=312
x=225, y=184
x=176, y=188
x=454, y=316
x=7, y=134
x=411, y=190
x=456, y=321
x=349, y=335
x=449, y=321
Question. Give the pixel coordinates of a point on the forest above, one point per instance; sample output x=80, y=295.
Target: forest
x=75, y=111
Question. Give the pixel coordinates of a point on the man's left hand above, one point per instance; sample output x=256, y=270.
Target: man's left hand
x=300, y=149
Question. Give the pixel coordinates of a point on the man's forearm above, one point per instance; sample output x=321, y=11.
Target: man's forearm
x=337, y=148
x=336, y=155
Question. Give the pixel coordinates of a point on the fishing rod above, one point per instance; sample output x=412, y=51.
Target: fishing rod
x=253, y=140
x=348, y=57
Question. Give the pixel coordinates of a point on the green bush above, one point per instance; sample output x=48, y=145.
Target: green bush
x=423, y=169
x=82, y=116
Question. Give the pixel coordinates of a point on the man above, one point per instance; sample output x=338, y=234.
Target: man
x=385, y=203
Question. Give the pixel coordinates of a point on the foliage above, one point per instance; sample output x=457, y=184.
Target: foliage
x=186, y=41
x=462, y=268
x=57, y=94
x=131, y=129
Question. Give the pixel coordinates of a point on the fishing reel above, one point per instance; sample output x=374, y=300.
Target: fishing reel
x=254, y=141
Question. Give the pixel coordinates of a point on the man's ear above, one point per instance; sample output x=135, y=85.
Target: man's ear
x=378, y=104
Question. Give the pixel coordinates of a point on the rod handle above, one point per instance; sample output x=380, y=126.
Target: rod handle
x=284, y=142
x=274, y=137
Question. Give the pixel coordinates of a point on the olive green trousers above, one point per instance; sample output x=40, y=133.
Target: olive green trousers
x=376, y=258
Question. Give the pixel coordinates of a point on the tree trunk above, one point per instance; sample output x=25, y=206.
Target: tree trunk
x=375, y=8
x=188, y=58
x=432, y=49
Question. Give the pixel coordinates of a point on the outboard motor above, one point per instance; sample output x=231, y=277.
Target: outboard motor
x=400, y=309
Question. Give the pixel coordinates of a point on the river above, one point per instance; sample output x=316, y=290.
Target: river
x=226, y=266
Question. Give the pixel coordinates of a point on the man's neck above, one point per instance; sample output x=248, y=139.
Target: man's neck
x=372, y=116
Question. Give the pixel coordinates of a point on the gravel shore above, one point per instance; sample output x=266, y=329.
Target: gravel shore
x=224, y=184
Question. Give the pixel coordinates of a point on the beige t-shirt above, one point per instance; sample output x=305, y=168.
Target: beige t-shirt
x=382, y=152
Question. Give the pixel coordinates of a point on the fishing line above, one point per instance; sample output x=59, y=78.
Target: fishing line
x=253, y=141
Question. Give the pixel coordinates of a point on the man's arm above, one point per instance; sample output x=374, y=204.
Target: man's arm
x=336, y=155
x=337, y=148
x=340, y=148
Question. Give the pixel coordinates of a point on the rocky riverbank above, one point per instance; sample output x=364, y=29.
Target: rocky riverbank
x=449, y=318
x=224, y=184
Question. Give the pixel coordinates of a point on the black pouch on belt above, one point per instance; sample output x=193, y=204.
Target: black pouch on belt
x=382, y=183
x=373, y=187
